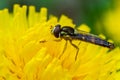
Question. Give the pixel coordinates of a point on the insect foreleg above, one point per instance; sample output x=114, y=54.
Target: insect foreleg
x=65, y=46
x=58, y=40
x=76, y=48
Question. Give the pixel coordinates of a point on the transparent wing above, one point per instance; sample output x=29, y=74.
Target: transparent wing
x=86, y=33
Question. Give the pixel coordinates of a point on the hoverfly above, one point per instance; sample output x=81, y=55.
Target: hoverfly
x=68, y=33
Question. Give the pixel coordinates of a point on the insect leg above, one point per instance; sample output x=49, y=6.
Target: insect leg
x=43, y=41
x=79, y=43
x=58, y=40
x=65, y=46
x=76, y=48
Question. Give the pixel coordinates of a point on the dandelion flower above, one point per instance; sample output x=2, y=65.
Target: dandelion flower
x=28, y=51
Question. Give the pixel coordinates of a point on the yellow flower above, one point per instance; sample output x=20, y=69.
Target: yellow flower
x=28, y=51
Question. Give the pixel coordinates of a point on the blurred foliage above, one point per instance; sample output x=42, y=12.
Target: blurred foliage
x=81, y=11
x=109, y=23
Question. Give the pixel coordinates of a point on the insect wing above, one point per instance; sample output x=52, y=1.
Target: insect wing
x=84, y=33
x=85, y=36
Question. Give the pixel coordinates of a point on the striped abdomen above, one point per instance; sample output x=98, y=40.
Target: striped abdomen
x=93, y=39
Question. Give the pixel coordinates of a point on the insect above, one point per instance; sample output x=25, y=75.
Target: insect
x=68, y=33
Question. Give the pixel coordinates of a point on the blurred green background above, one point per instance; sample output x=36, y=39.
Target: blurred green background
x=81, y=11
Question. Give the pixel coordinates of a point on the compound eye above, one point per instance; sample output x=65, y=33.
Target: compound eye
x=56, y=30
